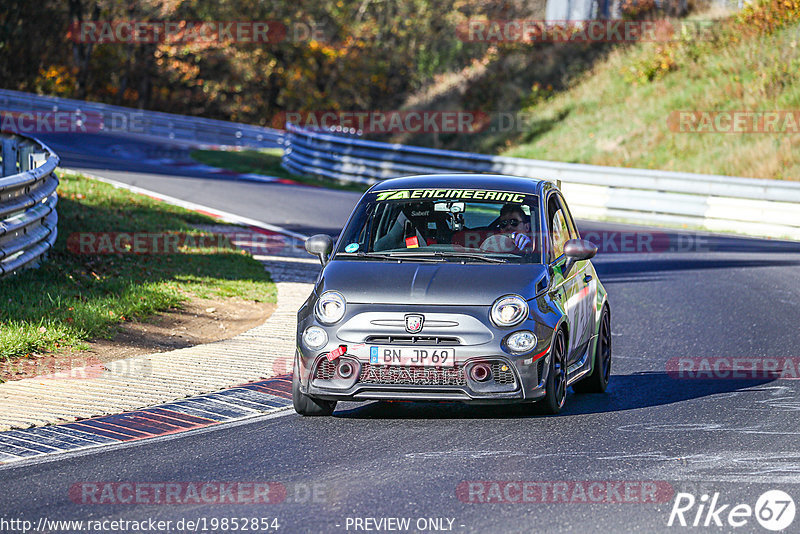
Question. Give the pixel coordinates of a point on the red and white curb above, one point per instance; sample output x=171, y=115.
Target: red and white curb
x=187, y=164
x=202, y=168
x=243, y=402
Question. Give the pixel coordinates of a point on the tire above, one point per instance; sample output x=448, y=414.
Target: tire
x=309, y=406
x=556, y=385
x=597, y=382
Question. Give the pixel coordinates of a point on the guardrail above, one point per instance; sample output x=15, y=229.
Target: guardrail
x=28, y=200
x=718, y=203
x=94, y=117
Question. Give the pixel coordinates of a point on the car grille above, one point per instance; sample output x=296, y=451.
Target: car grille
x=502, y=377
x=413, y=340
x=418, y=376
x=325, y=370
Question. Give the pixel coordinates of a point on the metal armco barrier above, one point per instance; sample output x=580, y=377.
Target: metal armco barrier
x=129, y=122
x=768, y=208
x=27, y=202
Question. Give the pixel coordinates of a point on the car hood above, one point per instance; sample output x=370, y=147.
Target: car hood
x=429, y=283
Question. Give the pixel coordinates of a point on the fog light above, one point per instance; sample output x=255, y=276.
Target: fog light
x=346, y=369
x=522, y=341
x=315, y=337
x=480, y=372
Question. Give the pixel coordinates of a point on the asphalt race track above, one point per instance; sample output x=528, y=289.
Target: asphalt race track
x=716, y=297
x=283, y=205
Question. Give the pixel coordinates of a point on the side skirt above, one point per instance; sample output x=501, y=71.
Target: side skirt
x=582, y=367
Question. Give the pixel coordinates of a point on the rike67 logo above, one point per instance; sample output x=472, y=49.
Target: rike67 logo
x=774, y=510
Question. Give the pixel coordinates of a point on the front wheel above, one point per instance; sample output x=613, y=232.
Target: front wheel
x=556, y=385
x=305, y=405
x=597, y=382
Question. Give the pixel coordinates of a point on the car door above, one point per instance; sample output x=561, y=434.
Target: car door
x=585, y=287
x=564, y=291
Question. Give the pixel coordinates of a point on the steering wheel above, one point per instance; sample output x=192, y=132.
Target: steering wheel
x=499, y=243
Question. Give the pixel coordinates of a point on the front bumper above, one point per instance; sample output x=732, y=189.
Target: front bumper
x=379, y=382
x=513, y=377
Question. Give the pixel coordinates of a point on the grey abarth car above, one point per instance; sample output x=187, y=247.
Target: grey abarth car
x=473, y=288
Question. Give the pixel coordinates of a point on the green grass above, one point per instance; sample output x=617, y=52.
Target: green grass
x=617, y=113
x=72, y=297
x=266, y=162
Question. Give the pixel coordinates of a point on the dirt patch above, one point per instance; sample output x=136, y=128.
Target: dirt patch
x=199, y=321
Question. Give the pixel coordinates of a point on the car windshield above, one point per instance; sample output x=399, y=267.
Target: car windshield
x=469, y=225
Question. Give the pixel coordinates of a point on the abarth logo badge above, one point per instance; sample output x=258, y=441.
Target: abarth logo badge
x=414, y=323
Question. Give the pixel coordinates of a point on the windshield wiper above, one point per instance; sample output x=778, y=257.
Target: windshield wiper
x=399, y=256
x=440, y=254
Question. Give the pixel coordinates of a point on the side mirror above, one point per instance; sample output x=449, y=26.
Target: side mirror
x=577, y=250
x=321, y=246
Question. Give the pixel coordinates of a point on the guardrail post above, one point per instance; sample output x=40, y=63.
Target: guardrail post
x=36, y=159
x=25, y=159
x=9, y=157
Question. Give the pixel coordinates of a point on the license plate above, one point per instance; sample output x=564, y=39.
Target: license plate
x=410, y=356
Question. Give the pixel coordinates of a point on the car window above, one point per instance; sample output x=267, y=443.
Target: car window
x=559, y=233
x=442, y=221
x=573, y=229
x=557, y=227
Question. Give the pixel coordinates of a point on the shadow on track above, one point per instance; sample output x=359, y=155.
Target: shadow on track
x=626, y=392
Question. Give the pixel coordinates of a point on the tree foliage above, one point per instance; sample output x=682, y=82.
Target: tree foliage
x=368, y=54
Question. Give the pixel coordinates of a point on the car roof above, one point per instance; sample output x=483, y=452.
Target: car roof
x=495, y=182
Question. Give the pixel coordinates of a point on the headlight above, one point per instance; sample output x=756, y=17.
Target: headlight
x=521, y=341
x=315, y=337
x=330, y=307
x=509, y=310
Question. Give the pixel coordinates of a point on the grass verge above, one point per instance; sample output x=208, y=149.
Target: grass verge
x=266, y=162
x=72, y=297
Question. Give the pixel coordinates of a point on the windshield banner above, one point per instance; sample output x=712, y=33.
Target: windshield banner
x=434, y=194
